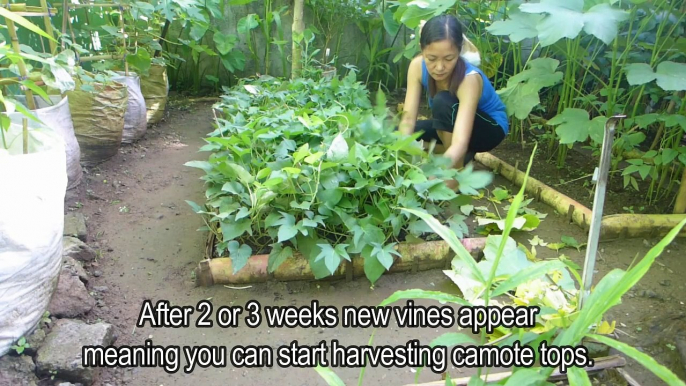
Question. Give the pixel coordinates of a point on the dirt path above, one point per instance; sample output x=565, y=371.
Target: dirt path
x=147, y=235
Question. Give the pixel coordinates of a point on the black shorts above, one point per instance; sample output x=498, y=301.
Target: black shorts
x=486, y=134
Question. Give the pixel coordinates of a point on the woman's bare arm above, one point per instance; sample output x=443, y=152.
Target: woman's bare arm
x=468, y=94
x=412, y=97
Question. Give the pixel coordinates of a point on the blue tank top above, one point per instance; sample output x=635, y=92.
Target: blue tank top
x=490, y=102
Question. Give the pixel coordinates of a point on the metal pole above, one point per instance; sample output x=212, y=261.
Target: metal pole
x=600, y=178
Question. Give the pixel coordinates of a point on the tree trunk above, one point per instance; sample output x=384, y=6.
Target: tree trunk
x=297, y=30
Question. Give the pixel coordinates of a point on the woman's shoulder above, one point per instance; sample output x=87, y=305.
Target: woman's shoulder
x=416, y=67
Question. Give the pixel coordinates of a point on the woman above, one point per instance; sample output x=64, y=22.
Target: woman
x=468, y=116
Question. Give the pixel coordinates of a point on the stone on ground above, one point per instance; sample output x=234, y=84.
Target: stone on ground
x=17, y=370
x=61, y=352
x=71, y=299
x=75, y=226
x=75, y=268
x=77, y=249
x=35, y=340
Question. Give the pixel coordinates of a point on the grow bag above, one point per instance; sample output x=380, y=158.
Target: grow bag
x=57, y=117
x=31, y=227
x=98, y=119
x=155, y=89
x=135, y=120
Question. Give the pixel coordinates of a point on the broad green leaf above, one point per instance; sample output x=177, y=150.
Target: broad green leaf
x=648, y=362
x=639, y=73
x=563, y=19
x=224, y=43
x=141, y=61
x=240, y=2
x=234, y=229
x=338, y=151
x=519, y=26
x=198, y=30
x=424, y=10
x=471, y=180
x=247, y=23
x=328, y=375
x=373, y=269
x=243, y=175
x=239, y=255
x=670, y=76
x=441, y=192
x=204, y=165
x=389, y=23
x=602, y=21
x=573, y=125
x=385, y=254
x=277, y=256
x=522, y=92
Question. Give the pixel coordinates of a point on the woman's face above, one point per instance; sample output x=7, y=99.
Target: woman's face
x=441, y=58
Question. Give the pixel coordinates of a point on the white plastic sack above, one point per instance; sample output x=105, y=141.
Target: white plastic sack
x=136, y=118
x=31, y=227
x=57, y=116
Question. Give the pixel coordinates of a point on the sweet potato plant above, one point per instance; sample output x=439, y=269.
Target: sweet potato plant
x=312, y=166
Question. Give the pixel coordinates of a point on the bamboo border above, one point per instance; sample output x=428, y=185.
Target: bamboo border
x=413, y=258
x=614, y=226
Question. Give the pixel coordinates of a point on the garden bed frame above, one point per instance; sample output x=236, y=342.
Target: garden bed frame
x=414, y=257
x=615, y=226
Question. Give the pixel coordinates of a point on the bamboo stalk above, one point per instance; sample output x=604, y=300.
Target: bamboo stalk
x=123, y=39
x=100, y=57
x=65, y=18
x=680, y=205
x=48, y=26
x=600, y=364
x=23, y=8
x=414, y=257
x=22, y=66
x=25, y=135
x=92, y=5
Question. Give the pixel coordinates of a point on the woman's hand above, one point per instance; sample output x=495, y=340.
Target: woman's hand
x=456, y=155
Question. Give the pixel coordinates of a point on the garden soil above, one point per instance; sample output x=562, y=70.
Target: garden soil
x=148, y=244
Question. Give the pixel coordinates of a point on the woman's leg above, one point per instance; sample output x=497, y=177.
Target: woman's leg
x=486, y=134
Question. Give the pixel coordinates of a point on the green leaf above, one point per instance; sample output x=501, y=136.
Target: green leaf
x=563, y=19
x=247, y=23
x=670, y=76
x=518, y=27
x=329, y=376
x=438, y=296
x=574, y=125
x=639, y=73
x=277, y=256
x=441, y=192
x=602, y=21
x=224, y=43
x=239, y=255
x=471, y=180
x=24, y=23
x=287, y=230
x=524, y=275
x=338, y=151
x=646, y=361
x=571, y=241
x=373, y=269
x=525, y=377
x=232, y=230
x=522, y=92
x=141, y=61
x=384, y=254
x=450, y=238
x=578, y=376
x=204, y=165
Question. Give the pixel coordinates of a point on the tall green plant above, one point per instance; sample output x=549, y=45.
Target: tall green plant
x=604, y=296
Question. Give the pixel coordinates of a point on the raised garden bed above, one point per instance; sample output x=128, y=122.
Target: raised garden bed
x=309, y=170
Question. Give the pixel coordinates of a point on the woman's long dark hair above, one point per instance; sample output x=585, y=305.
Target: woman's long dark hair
x=439, y=28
